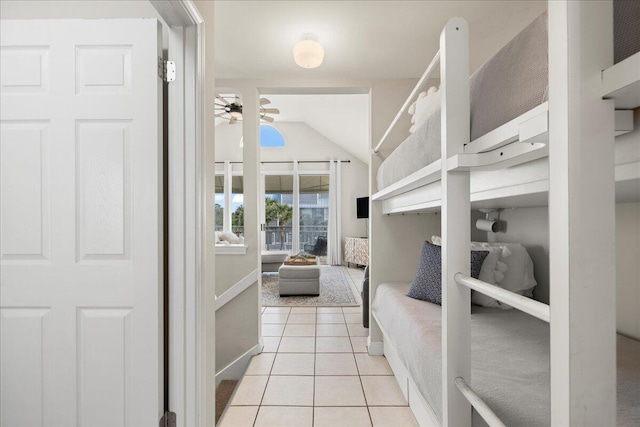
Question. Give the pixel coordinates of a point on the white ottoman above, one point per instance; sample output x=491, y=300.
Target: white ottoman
x=299, y=279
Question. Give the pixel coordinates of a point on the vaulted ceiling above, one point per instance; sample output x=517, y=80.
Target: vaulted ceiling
x=362, y=39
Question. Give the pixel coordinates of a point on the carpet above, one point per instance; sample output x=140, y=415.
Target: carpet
x=335, y=289
x=223, y=394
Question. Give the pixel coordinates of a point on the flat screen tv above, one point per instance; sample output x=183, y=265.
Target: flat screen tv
x=362, y=207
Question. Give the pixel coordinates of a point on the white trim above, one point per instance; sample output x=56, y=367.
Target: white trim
x=622, y=82
x=231, y=249
x=236, y=369
x=242, y=285
x=375, y=348
x=187, y=288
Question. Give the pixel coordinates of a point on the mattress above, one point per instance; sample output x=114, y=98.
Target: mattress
x=510, y=358
x=512, y=82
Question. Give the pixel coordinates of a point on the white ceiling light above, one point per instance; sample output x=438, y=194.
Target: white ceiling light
x=308, y=53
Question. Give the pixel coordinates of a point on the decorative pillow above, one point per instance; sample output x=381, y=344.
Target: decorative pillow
x=227, y=236
x=427, y=285
x=427, y=103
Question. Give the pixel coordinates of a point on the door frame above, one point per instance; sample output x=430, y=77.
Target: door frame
x=191, y=330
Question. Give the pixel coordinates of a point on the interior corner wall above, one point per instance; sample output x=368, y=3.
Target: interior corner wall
x=305, y=143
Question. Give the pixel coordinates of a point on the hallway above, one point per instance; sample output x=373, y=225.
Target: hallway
x=315, y=371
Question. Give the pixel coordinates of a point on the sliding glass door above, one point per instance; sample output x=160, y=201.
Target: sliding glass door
x=278, y=212
x=314, y=213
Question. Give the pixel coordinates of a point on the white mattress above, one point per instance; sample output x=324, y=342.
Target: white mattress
x=510, y=358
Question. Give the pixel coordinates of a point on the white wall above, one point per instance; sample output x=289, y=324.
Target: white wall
x=87, y=9
x=305, y=143
x=628, y=268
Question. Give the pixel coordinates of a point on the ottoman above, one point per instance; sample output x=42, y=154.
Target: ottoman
x=299, y=279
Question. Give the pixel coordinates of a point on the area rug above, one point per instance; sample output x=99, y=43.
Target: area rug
x=335, y=289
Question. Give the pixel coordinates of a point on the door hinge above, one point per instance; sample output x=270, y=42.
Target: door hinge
x=166, y=70
x=168, y=419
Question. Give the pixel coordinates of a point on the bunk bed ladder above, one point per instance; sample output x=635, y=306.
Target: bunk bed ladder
x=456, y=300
x=581, y=129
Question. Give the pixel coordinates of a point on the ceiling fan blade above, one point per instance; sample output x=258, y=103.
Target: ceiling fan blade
x=271, y=111
x=267, y=119
x=233, y=120
x=223, y=100
x=264, y=101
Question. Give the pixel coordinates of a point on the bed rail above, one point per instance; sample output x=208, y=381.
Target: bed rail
x=425, y=76
x=478, y=404
x=527, y=305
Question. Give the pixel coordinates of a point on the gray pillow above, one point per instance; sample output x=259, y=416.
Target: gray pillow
x=427, y=285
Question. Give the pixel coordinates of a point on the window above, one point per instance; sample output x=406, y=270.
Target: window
x=237, y=205
x=219, y=201
x=270, y=137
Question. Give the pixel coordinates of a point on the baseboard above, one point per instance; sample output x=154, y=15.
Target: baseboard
x=376, y=348
x=235, y=370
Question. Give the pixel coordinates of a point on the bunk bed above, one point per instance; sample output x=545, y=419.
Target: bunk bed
x=448, y=360
x=507, y=155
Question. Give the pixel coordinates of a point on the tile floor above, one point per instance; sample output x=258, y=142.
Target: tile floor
x=315, y=371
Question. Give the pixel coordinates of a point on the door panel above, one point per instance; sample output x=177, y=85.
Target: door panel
x=80, y=223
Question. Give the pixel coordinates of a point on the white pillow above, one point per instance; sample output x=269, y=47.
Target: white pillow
x=513, y=270
x=227, y=236
x=426, y=106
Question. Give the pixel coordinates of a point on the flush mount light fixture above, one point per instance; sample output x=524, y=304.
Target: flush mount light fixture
x=308, y=53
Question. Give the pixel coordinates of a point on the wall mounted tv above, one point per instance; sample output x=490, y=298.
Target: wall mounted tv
x=362, y=207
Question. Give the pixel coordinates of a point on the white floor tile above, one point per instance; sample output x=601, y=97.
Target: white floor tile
x=293, y=364
x=289, y=391
x=260, y=364
x=357, y=330
x=352, y=310
x=239, y=416
x=372, y=365
x=392, y=417
x=339, y=391
x=335, y=364
x=250, y=391
x=341, y=417
x=306, y=319
x=359, y=344
x=277, y=310
x=272, y=330
x=300, y=331
x=303, y=310
x=297, y=345
x=382, y=391
x=270, y=344
x=284, y=416
x=325, y=310
x=353, y=318
x=333, y=345
x=330, y=318
x=332, y=330
x=275, y=318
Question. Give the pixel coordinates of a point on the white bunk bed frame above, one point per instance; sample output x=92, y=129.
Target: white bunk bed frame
x=578, y=123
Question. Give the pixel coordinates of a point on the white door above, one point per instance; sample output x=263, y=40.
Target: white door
x=80, y=223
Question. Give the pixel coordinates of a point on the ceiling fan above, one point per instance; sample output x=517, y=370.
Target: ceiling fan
x=232, y=110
